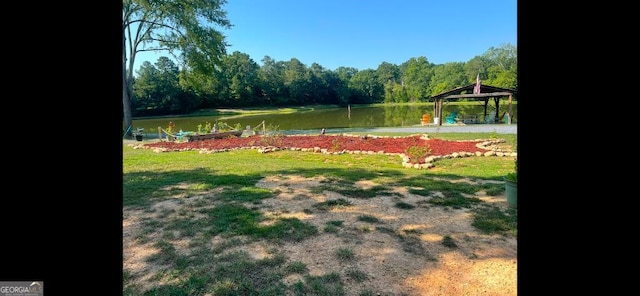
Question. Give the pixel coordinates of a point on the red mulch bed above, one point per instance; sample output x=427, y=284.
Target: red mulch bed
x=329, y=142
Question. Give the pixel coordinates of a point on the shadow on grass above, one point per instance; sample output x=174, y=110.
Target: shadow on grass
x=237, y=273
x=141, y=188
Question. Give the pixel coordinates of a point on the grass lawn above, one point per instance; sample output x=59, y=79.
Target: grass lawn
x=237, y=222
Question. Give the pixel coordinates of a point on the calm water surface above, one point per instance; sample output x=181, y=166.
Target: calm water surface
x=313, y=120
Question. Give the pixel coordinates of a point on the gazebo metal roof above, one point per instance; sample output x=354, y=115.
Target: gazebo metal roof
x=486, y=92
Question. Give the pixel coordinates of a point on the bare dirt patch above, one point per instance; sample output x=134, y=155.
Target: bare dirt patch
x=400, y=254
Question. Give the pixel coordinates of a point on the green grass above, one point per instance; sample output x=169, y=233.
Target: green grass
x=345, y=254
x=493, y=220
x=227, y=212
x=404, y=205
x=333, y=226
x=254, y=111
x=331, y=204
x=356, y=274
x=454, y=200
x=326, y=285
x=296, y=267
x=409, y=241
x=368, y=219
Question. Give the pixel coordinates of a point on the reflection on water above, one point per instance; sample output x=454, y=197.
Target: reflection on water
x=334, y=118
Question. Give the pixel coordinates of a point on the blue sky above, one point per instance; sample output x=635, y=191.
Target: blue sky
x=364, y=33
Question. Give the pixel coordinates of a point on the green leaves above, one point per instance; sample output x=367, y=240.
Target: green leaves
x=182, y=26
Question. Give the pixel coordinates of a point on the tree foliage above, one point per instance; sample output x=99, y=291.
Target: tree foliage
x=241, y=75
x=157, y=91
x=446, y=77
x=417, y=76
x=271, y=77
x=239, y=81
x=186, y=29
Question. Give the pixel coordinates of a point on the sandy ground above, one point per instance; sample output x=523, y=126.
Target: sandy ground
x=402, y=254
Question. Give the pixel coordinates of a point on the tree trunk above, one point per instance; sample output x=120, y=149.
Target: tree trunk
x=126, y=92
x=126, y=107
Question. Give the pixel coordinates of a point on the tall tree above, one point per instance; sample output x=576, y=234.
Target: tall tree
x=271, y=76
x=322, y=92
x=388, y=73
x=144, y=89
x=417, y=74
x=503, y=66
x=446, y=77
x=241, y=75
x=497, y=67
x=184, y=28
x=365, y=87
x=344, y=76
x=157, y=89
x=296, y=79
x=389, y=77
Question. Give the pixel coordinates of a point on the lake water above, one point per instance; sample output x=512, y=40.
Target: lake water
x=314, y=120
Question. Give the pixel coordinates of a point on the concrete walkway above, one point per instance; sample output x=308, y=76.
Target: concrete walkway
x=469, y=128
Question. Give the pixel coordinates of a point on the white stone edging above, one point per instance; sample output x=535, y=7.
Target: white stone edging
x=491, y=145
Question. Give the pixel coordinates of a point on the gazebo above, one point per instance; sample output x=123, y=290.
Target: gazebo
x=486, y=92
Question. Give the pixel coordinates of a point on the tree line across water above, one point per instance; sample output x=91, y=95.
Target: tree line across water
x=208, y=77
x=163, y=89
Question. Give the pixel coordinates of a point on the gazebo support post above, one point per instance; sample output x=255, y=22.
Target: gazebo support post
x=509, y=108
x=497, y=117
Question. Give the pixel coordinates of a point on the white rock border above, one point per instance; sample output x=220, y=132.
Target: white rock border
x=490, y=144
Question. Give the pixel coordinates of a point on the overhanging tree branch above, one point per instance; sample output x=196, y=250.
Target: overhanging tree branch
x=183, y=25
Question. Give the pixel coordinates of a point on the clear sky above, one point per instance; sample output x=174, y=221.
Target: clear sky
x=364, y=33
